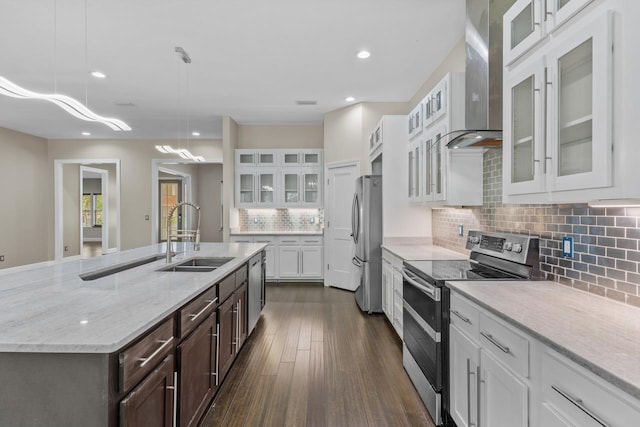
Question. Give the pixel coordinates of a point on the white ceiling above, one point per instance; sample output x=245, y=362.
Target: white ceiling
x=252, y=59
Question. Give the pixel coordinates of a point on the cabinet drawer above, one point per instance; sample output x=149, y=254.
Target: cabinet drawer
x=226, y=287
x=270, y=240
x=581, y=397
x=198, y=310
x=465, y=316
x=288, y=240
x=311, y=240
x=505, y=344
x=241, y=239
x=139, y=359
x=241, y=276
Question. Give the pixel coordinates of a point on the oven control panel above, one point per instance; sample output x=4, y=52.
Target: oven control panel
x=514, y=247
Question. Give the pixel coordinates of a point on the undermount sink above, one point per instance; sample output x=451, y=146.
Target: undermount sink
x=103, y=272
x=199, y=264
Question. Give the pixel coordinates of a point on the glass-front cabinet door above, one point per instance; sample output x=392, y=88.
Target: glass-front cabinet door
x=523, y=145
x=559, y=11
x=266, y=158
x=427, y=173
x=245, y=158
x=291, y=158
x=579, y=105
x=438, y=100
x=246, y=190
x=266, y=187
x=439, y=164
x=290, y=187
x=522, y=28
x=311, y=184
x=415, y=160
x=312, y=158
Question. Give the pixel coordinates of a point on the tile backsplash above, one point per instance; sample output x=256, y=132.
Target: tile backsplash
x=607, y=240
x=279, y=220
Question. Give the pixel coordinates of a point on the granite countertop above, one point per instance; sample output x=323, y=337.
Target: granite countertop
x=276, y=233
x=599, y=334
x=48, y=308
x=423, y=252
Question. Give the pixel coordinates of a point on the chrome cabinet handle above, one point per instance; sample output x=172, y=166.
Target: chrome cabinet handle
x=495, y=342
x=146, y=360
x=463, y=318
x=217, y=354
x=211, y=302
x=469, y=373
x=580, y=405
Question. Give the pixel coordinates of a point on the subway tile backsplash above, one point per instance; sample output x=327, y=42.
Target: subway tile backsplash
x=606, y=258
x=279, y=220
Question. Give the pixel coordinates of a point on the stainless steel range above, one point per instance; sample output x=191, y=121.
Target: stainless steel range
x=494, y=256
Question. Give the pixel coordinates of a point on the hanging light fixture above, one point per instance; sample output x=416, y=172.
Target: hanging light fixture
x=68, y=104
x=182, y=152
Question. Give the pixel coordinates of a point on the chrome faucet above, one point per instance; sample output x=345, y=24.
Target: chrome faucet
x=191, y=234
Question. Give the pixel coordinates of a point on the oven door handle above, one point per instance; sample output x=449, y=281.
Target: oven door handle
x=435, y=336
x=431, y=291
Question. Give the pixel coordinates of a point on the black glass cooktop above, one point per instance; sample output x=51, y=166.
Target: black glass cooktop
x=440, y=271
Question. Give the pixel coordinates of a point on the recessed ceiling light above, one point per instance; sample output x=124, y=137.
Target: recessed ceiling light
x=363, y=54
x=98, y=74
x=195, y=133
x=84, y=322
x=86, y=134
x=349, y=99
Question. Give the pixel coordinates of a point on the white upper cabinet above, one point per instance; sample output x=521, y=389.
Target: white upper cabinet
x=558, y=112
x=439, y=176
x=522, y=28
x=415, y=121
x=559, y=11
x=261, y=184
x=528, y=22
x=375, y=141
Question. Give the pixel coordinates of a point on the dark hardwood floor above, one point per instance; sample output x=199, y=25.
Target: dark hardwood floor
x=315, y=360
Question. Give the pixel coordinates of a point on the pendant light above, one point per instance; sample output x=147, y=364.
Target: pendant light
x=68, y=104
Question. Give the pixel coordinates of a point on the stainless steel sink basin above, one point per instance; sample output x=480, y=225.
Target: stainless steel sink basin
x=103, y=272
x=200, y=264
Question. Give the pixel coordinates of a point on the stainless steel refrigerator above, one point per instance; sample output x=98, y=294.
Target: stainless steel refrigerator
x=366, y=230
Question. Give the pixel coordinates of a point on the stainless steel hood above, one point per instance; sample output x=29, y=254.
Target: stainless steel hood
x=483, y=76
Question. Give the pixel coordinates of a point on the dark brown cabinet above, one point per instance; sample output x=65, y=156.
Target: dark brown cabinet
x=150, y=404
x=227, y=315
x=197, y=372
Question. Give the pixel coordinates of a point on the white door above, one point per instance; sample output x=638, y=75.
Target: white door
x=339, y=247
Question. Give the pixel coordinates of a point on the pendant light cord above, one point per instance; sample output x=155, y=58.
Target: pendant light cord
x=55, y=46
x=86, y=55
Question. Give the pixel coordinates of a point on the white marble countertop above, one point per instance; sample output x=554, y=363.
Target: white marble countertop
x=423, y=252
x=48, y=308
x=599, y=334
x=276, y=233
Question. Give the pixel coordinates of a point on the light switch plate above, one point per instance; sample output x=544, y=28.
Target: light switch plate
x=567, y=246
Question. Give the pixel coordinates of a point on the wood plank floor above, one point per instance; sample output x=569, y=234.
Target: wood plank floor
x=315, y=360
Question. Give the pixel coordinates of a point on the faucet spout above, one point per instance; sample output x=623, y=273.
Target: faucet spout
x=190, y=234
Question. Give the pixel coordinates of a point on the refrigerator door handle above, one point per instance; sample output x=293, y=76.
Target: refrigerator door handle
x=356, y=232
x=356, y=261
x=353, y=220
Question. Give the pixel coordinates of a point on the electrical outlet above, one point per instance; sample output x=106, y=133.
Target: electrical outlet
x=313, y=220
x=460, y=230
x=255, y=219
x=1, y=258
x=567, y=246
x=66, y=248
x=146, y=217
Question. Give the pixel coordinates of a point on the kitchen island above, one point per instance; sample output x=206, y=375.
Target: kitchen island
x=72, y=351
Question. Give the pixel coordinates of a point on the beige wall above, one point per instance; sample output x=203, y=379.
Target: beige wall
x=135, y=174
x=71, y=209
x=25, y=199
x=454, y=62
x=347, y=131
x=208, y=197
x=229, y=144
x=295, y=136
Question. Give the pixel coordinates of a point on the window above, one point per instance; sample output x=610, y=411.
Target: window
x=92, y=210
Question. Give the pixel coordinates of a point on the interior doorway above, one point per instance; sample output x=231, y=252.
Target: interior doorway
x=339, y=247
x=94, y=213
x=170, y=193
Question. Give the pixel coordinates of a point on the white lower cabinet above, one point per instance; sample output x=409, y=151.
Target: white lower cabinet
x=501, y=377
x=290, y=256
x=392, y=289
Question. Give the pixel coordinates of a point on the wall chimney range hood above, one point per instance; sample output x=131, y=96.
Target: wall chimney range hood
x=483, y=77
